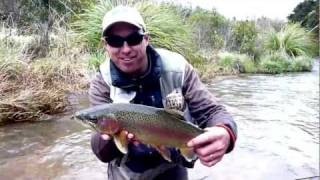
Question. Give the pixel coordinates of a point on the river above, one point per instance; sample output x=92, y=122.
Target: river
x=278, y=138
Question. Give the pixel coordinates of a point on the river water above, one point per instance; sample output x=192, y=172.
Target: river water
x=278, y=124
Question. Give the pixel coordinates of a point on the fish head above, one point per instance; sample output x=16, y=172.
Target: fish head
x=86, y=116
x=101, y=118
x=108, y=125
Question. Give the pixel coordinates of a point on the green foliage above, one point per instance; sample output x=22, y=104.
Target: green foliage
x=229, y=62
x=292, y=39
x=274, y=63
x=271, y=67
x=247, y=64
x=182, y=11
x=237, y=63
x=226, y=59
x=96, y=59
x=272, y=41
x=244, y=37
x=88, y=26
x=307, y=13
x=30, y=13
x=208, y=28
x=301, y=63
x=280, y=62
x=165, y=28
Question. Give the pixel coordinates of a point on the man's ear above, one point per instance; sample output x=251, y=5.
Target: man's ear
x=103, y=43
x=146, y=36
x=103, y=40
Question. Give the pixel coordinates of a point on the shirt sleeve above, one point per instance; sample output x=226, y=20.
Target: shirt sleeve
x=99, y=92
x=204, y=107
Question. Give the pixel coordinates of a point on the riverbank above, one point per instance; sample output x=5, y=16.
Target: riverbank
x=43, y=88
x=277, y=118
x=34, y=83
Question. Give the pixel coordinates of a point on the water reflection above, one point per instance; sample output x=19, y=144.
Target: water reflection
x=278, y=122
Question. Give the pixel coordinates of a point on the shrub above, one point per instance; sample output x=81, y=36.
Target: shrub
x=208, y=27
x=274, y=63
x=292, y=39
x=229, y=62
x=247, y=64
x=96, y=59
x=244, y=35
x=301, y=63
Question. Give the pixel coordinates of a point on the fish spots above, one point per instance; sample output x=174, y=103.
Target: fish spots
x=172, y=135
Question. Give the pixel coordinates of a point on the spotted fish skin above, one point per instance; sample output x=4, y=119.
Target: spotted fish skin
x=157, y=127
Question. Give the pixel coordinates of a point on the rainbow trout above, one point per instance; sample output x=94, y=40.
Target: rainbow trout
x=157, y=127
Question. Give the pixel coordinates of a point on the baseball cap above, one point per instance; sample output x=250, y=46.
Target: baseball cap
x=122, y=14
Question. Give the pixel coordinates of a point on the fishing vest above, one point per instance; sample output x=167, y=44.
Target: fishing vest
x=171, y=82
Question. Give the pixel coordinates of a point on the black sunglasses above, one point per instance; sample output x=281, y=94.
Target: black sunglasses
x=118, y=41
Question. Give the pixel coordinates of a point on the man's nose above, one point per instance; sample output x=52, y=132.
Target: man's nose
x=126, y=48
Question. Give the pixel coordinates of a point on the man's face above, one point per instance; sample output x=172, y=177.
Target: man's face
x=130, y=59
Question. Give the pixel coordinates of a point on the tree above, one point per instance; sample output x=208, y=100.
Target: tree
x=244, y=35
x=209, y=27
x=307, y=14
x=38, y=16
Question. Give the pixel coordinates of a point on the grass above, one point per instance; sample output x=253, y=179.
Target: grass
x=291, y=39
x=234, y=63
x=38, y=88
x=31, y=105
x=35, y=88
x=280, y=62
x=165, y=27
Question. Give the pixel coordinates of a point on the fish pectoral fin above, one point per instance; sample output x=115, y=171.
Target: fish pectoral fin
x=175, y=113
x=188, y=154
x=120, y=139
x=165, y=153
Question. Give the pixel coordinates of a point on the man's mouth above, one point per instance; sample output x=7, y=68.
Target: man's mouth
x=127, y=59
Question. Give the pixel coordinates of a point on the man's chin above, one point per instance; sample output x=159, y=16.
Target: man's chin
x=129, y=70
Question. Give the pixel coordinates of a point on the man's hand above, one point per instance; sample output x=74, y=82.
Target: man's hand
x=211, y=145
x=130, y=137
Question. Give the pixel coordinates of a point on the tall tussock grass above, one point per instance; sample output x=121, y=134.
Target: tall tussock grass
x=291, y=39
x=34, y=80
x=31, y=104
x=165, y=27
x=289, y=50
x=38, y=88
x=33, y=88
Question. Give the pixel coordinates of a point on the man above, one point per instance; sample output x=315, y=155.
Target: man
x=138, y=73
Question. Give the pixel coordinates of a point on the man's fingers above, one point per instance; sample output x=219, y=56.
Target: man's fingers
x=105, y=137
x=212, y=157
x=211, y=163
x=131, y=138
x=204, y=138
x=206, y=150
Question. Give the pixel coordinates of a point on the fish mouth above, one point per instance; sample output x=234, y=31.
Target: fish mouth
x=85, y=117
x=86, y=120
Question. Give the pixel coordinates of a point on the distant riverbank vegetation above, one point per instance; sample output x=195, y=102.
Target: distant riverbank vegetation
x=50, y=48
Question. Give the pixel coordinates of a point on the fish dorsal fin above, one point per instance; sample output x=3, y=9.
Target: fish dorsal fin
x=175, y=113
